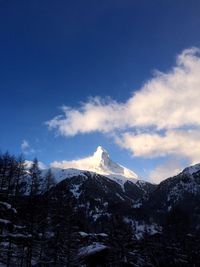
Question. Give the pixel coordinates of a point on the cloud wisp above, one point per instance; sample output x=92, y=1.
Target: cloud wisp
x=161, y=118
x=26, y=148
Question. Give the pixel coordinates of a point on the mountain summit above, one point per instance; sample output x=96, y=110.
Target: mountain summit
x=100, y=163
x=102, y=155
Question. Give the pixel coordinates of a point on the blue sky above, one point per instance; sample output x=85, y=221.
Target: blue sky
x=55, y=53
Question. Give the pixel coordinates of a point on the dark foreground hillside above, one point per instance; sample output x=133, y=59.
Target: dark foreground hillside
x=90, y=220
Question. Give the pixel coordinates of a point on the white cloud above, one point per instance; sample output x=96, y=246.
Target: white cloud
x=95, y=115
x=162, y=118
x=76, y=164
x=26, y=148
x=24, y=145
x=184, y=143
x=86, y=163
x=168, y=100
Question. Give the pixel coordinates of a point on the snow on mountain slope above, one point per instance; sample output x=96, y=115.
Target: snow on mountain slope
x=61, y=174
x=182, y=189
x=192, y=169
x=99, y=162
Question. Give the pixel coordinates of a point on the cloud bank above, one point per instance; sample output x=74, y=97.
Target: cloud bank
x=162, y=118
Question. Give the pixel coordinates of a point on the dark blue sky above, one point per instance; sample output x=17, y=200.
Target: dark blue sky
x=62, y=52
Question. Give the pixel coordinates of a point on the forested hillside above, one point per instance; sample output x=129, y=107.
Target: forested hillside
x=89, y=220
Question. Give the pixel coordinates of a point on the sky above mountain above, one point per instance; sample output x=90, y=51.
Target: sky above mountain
x=121, y=74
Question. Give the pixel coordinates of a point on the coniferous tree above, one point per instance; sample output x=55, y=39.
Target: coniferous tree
x=4, y=162
x=20, y=177
x=36, y=179
x=49, y=181
x=8, y=166
x=33, y=210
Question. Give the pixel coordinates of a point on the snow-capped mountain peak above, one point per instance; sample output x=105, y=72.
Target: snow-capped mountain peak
x=101, y=163
x=101, y=155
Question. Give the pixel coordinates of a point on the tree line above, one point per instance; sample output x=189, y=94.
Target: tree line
x=22, y=211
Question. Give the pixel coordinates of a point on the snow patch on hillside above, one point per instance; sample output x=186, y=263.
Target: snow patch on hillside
x=91, y=249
